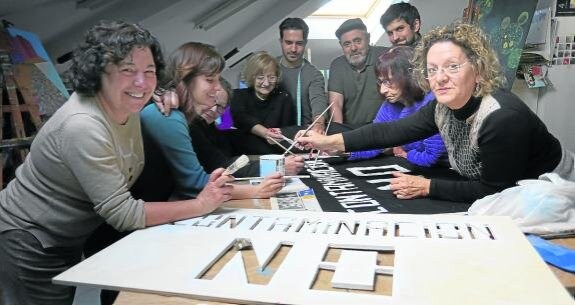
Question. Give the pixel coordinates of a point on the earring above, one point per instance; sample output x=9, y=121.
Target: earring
x=477, y=89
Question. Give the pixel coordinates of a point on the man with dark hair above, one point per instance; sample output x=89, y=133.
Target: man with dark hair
x=299, y=77
x=352, y=86
x=402, y=22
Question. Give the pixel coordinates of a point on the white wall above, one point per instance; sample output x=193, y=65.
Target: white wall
x=555, y=104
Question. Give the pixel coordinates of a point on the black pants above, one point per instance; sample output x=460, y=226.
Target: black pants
x=27, y=269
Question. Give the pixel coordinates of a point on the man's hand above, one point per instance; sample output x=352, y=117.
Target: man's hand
x=293, y=165
x=319, y=127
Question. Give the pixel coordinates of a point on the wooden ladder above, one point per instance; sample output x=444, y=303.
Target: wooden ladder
x=20, y=115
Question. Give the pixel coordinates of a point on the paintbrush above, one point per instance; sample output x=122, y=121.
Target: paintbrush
x=342, y=155
x=280, y=145
x=290, y=141
x=325, y=133
x=261, y=178
x=308, y=128
x=240, y=162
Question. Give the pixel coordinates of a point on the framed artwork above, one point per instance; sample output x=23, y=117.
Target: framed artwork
x=507, y=24
x=565, y=8
x=35, y=70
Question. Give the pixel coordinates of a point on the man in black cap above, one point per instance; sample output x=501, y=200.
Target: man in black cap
x=352, y=86
x=401, y=22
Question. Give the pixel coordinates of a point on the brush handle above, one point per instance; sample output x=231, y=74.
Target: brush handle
x=308, y=128
x=280, y=145
x=242, y=161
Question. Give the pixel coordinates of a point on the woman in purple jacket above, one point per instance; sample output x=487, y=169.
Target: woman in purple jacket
x=403, y=97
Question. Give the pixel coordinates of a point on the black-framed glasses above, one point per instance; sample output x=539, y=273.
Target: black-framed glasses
x=451, y=69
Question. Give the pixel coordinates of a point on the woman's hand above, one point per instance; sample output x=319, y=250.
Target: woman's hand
x=398, y=151
x=331, y=144
x=217, y=191
x=269, y=186
x=293, y=165
x=274, y=133
x=409, y=186
x=166, y=102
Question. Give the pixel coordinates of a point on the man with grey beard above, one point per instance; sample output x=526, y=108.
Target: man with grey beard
x=352, y=86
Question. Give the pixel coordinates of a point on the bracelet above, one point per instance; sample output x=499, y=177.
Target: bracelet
x=161, y=91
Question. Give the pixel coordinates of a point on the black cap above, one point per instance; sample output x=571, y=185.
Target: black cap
x=348, y=25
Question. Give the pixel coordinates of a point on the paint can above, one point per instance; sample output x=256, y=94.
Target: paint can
x=270, y=164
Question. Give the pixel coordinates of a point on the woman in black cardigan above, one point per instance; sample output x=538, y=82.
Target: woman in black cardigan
x=220, y=148
x=260, y=110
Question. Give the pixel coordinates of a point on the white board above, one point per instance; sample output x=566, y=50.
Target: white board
x=439, y=259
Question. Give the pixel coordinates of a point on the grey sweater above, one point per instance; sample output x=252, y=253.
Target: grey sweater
x=312, y=90
x=77, y=174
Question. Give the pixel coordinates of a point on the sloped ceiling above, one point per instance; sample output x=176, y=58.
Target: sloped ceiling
x=60, y=24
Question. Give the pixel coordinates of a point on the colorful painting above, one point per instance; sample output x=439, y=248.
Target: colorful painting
x=507, y=23
x=35, y=71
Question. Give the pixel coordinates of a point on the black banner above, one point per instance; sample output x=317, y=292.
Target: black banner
x=362, y=186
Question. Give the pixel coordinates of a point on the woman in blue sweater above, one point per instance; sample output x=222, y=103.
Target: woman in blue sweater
x=403, y=97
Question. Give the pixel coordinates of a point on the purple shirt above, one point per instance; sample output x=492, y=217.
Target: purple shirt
x=423, y=153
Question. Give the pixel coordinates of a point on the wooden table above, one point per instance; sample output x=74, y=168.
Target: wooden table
x=566, y=278
x=125, y=298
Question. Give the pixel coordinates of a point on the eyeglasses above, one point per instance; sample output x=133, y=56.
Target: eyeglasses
x=385, y=82
x=450, y=69
x=270, y=78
